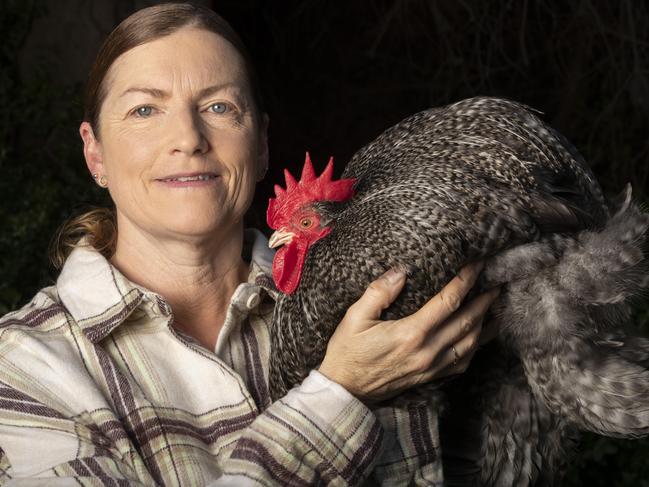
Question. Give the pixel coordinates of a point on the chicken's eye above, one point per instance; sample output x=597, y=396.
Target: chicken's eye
x=306, y=222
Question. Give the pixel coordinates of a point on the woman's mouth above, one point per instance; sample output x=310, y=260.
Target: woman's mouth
x=189, y=180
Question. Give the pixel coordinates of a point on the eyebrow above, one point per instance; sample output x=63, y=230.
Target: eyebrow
x=154, y=92
x=162, y=94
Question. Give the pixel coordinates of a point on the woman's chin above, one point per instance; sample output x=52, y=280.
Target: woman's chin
x=198, y=226
x=193, y=229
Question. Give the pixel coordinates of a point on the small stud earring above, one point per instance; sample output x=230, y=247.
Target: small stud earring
x=103, y=182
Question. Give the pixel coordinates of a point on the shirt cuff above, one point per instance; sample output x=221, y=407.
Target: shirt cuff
x=324, y=398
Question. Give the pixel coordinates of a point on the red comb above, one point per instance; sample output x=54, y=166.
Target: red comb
x=310, y=188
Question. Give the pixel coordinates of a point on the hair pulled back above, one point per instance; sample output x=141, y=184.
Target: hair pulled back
x=99, y=225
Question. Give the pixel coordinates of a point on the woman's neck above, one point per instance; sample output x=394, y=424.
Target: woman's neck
x=197, y=277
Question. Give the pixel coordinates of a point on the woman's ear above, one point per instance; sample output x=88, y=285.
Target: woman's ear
x=262, y=160
x=92, y=151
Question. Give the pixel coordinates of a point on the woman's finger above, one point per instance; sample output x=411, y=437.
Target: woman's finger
x=457, y=357
x=378, y=296
x=449, y=361
x=465, y=321
x=448, y=300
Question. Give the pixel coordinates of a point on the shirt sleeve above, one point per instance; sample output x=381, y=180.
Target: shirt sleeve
x=101, y=470
x=317, y=434
x=412, y=454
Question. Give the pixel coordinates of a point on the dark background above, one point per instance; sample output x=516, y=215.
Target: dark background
x=336, y=74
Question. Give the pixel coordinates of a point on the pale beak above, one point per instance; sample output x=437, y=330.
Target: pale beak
x=280, y=237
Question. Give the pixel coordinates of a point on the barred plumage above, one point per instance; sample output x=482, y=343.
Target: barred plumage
x=486, y=179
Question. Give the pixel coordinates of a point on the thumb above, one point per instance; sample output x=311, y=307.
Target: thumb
x=378, y=296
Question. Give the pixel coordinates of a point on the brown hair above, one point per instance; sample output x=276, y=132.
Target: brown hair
x=147, y=25
x=99, y=225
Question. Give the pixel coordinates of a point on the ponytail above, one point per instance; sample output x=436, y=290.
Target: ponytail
x=98, y=226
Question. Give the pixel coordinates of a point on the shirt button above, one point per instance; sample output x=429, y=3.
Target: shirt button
x=253, y=300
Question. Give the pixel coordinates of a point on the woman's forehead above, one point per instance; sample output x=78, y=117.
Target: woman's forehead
x=191, y=58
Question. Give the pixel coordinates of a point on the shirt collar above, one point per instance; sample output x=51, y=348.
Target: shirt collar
x=100, y=298
x=261, y=261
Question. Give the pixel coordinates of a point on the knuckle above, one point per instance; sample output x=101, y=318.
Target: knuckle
x=376, y=286
x=378, y=292
x=421, y=362
x=351, y=312
x=412, y=337
x=472, y=344
x=451, y=301
x=466, y=325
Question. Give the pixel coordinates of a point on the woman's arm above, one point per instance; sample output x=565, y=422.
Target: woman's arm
x=319, y=432
x=343, y=441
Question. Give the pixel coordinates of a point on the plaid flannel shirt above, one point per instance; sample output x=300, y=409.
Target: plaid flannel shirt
x=98, y=388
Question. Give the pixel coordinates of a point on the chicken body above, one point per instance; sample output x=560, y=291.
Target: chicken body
x=486, y=179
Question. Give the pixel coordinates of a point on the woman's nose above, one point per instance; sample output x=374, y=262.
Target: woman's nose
x=187, y=134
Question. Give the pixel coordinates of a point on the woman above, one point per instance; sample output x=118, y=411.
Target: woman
x=146, y=363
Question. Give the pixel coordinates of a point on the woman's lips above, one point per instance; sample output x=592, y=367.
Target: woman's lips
x=189, y=180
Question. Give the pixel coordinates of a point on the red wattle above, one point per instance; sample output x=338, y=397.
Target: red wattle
x=287, y=266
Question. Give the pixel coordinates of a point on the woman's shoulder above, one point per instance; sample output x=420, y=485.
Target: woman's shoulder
x=44, y=313
x=42, y=351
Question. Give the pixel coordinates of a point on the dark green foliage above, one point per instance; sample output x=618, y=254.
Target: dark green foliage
x=334, y=77
x=43, y=176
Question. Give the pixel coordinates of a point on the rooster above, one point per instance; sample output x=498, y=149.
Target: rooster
x=481, y=179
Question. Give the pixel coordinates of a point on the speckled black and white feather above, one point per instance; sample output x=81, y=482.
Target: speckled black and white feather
x=486, y=179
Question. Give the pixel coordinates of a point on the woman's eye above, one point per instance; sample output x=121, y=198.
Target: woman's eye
x=218, y=108
x=143, y=111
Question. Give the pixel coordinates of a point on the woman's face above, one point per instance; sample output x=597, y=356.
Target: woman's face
x=180, y=143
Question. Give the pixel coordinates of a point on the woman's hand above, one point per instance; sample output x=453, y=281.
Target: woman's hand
x=375, y=359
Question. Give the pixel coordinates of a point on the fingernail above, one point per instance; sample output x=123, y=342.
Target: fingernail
x=394, y=275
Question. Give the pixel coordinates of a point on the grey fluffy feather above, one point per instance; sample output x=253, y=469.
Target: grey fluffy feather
x=485, y=178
